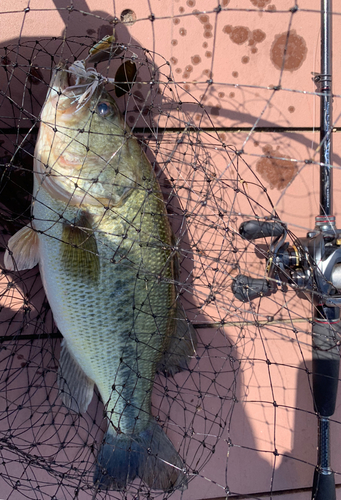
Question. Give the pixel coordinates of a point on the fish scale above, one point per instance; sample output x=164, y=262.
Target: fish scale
x=87, y=337
x=101, y=236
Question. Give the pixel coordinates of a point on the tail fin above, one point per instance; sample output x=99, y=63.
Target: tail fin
x=149, y=455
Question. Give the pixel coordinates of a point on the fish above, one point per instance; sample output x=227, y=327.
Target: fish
x=100, y=233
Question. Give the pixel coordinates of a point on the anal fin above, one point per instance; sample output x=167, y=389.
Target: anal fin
x=75, y=387
x=23, y=250
x=181, y=347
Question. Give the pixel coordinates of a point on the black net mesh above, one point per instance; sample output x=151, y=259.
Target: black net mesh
x=227, y=142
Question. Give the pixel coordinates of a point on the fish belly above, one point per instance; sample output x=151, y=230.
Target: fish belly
x=115, y=324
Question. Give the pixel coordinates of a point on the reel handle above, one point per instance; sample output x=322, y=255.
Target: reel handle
x=245, y=288
x=254, y=229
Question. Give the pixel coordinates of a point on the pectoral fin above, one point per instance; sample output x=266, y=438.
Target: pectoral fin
x=75, y=387
x=23, y=250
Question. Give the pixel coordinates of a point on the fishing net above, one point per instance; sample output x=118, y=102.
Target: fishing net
x=222, y=100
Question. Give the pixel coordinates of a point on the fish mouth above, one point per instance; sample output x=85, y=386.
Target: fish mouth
x=76, y=83
x=64, y=76
x=60, y=82
x=68, y=84
x=60, y=78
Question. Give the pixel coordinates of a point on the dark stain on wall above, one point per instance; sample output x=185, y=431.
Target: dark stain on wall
x=276, y=169
x=289, y=51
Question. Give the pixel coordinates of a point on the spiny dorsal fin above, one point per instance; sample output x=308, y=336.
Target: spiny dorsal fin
x=23, y=250
x=75, y=388
x=79, y=253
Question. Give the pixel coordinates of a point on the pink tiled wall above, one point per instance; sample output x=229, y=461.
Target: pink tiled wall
x=239, y=49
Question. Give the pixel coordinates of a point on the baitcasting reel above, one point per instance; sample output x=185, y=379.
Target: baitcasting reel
x=311, y=265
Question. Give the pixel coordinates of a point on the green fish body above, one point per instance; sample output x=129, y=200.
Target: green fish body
x=101, y=236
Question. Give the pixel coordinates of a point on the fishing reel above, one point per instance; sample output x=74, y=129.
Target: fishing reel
x=311, y=264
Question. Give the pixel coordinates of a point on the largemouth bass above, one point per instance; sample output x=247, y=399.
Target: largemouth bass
x=102, y=238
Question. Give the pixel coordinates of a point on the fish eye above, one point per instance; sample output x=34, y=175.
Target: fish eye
x=104, y=109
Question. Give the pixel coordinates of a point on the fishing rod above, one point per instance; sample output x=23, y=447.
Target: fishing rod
x=312, y=264
x=326, y=317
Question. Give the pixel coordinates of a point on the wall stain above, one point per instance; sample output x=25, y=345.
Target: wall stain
x=187, y=72
x=196, y=59
x=204, y=19
x=105, y=29
x=215, y=110
x=261, y=4
x=276, y=169
x=227, y=29
x=296, y=51
x=258, y=36
x=138, y=96
x=239, y=34
x=35, y=76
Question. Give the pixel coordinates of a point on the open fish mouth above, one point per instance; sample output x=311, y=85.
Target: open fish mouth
x=61, y=78
x=67, y=75
x=78, y=83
